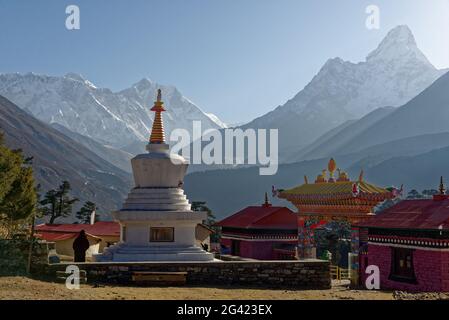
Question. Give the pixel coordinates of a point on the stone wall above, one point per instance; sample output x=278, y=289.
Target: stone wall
x=307, y=274
x=14, y=256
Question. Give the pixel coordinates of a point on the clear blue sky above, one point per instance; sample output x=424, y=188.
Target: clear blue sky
x=235, y=58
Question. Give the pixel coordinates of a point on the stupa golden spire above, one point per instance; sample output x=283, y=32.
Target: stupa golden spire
x=157, y=131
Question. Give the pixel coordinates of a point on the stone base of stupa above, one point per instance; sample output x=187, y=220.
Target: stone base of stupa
x=129, y=253
x=137, y=219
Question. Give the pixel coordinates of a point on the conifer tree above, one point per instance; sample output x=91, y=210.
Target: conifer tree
x=58, y=203
x=17, y=189
x=48, y=204
x=201, y=206
x=85, y=213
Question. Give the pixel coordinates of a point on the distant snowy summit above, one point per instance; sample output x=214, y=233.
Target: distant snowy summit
x=392, y=74
x=119, y=119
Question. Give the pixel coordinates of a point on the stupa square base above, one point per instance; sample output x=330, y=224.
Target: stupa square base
x=128, y=253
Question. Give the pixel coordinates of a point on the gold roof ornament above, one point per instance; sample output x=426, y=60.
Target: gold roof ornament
x=331, y=167
x=342, y=175
x=266, y=203
x=321, y=178
x=323, y=193
x=306, y=181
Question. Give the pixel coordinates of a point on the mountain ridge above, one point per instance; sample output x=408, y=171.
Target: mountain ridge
x=56, y=157
x=115, y=118
x=343, y=90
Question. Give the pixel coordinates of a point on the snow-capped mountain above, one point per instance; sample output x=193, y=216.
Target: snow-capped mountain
x=392, y=74
x=118, y=119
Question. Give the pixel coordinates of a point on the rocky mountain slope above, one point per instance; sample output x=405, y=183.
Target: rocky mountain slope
x=57, y=158
x=117, y=157
x=392, y=74
x=426, y=114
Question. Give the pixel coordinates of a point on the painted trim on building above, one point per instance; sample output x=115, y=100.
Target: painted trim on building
x=393, y=245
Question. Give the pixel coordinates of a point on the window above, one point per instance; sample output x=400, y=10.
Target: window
x=402, y=265
x=162, y=234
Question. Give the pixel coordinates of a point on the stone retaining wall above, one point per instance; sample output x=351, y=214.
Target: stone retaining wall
x=14, y=256
x=307, y=274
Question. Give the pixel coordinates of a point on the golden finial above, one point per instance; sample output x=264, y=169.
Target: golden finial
x=361, y=175
x=266, y=203
x=306, y=181
x=442, y=188
x=342, y=175
x=331, y=166
x=157, y=131
x=321, y=177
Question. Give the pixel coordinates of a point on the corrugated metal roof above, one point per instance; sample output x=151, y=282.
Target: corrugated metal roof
x=260, y=217
x=412, y=214
x=55, y=236
x=100, y=228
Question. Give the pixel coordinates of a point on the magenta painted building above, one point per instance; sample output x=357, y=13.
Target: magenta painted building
x=260, y=232
x=409, y=242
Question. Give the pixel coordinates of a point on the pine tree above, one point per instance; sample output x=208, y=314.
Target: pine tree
x=414, y=194
x=201, y=206
x=85, y=213
x=429, y=192
x=48, y=204
x=58, y=203
x=17, y=189
x=210, y=219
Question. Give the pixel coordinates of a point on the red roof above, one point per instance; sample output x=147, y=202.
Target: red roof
x=100, y=228
x=261, y=217
x=55, y=236
x=413, y=214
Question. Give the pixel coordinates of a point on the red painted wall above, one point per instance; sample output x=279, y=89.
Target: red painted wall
x=261, y=250
x=431, y=269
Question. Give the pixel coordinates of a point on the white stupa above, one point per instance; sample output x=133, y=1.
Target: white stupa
x=157, y=223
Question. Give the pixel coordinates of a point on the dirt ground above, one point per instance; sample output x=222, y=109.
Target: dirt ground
x=26, y=289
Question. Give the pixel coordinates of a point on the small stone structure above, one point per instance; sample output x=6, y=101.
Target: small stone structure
x=300, y=274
